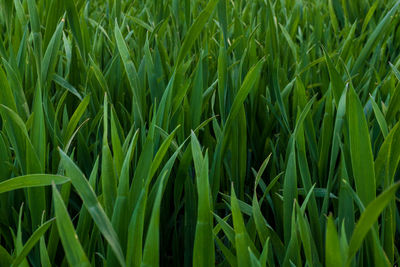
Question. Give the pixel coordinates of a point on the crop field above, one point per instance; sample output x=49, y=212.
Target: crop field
x=199, y=133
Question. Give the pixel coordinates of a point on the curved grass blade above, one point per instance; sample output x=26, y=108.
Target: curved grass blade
x=251, y=78
x=130, y=70
x=64, y=84
x=195, y=30
x=378, y=31
x=75, y=118
x=31, y=180
x=368, y=219
x=94, y=208
x=72, y=247
x=33, y=239
x=50, y=56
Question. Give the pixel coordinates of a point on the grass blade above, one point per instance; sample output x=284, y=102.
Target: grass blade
x=360, y=149
x=368, y=218
x=90, y=201
x=72, y=247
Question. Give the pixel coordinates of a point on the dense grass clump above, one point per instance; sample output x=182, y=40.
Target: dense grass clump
x=192, y=132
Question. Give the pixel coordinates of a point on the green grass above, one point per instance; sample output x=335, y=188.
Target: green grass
x=205, y=133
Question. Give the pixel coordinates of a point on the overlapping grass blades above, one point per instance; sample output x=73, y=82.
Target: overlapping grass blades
x=206, y=133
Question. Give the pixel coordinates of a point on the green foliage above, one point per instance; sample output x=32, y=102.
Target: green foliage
x=204, y=133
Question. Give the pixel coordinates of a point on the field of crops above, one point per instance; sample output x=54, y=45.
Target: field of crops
x=199, y=133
